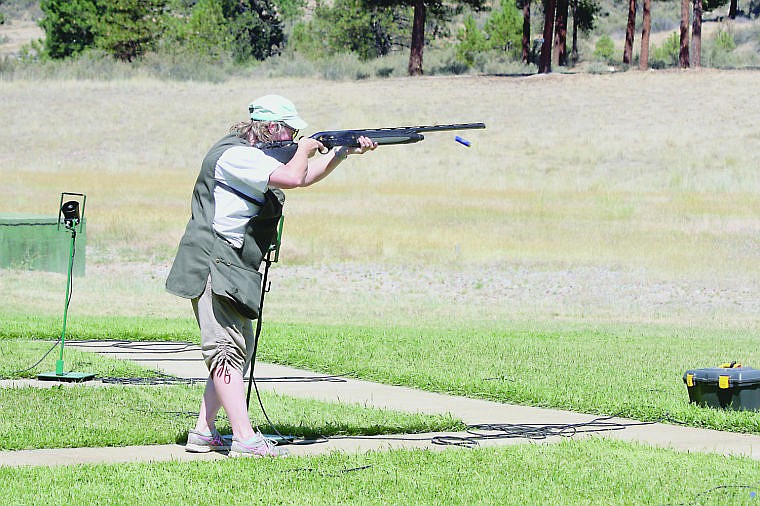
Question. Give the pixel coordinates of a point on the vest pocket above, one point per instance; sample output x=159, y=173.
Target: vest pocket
x=231, y=278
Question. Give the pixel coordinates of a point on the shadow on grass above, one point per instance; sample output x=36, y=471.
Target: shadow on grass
x=331, y=430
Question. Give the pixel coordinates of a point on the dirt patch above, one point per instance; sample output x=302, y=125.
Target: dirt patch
x=508, y=292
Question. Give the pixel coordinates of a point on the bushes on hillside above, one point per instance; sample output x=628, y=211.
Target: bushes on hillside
x=354, y=26
x=128, y=29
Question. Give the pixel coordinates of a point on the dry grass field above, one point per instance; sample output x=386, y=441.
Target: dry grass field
x=631, y=197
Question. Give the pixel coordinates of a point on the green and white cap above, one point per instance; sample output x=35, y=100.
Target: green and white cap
x=276, y=108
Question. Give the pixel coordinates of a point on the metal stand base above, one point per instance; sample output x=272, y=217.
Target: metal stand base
x=66, y=376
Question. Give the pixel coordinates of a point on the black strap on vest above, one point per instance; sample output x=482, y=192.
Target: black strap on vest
x=240, y=194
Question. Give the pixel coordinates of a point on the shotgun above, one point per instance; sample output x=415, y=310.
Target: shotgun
x=393, y=135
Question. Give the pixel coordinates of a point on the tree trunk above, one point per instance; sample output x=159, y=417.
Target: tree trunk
x=418, y=39
x=526, y=44
x=733, y=7
x=683, y=56
x=696, y=34
x=629, y=32
x=545, y=65
x=646, y=28
x=574, y=50
x=560, y=34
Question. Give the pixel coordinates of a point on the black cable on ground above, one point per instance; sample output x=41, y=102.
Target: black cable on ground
x=261, y=404
x=698, y=497
x=323, y=473
x=483, y=432
x=490, y=431
x=13, y=373
x=121, y=343
x=328, y=378
x=153, y=381
x=69, y=293
x=158, y=348
x=172, y=380
x=167, y=347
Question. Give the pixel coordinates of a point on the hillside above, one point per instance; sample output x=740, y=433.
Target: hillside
x=21, y=27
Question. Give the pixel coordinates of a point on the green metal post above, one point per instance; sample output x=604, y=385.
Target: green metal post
x=59, y=362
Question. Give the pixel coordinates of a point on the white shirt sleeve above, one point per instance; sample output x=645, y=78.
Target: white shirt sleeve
x=247, y=170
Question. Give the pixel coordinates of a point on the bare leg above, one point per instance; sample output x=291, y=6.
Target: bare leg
x=217, y=317
x=210, y=405
x=226, y=390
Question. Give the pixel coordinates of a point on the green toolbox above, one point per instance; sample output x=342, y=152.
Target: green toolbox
x=728, y=387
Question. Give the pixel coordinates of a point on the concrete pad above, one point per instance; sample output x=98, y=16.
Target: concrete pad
x=692, y=439
x=107, y=455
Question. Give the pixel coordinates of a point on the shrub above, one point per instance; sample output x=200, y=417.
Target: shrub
x=504, y=28
x=182, y=65
x=471, y=42
x=444, y=61
x=255, y=29
x=204, y=31
x=502, y=34
x=604, y=50
x=666, y=55
x=722, y=52
x=724, y=41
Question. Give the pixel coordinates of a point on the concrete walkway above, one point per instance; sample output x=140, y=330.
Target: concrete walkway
x=183, y=360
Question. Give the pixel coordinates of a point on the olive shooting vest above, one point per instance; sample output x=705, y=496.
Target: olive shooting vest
x=234, y=271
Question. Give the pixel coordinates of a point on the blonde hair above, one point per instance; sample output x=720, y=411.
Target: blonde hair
x=256, y=131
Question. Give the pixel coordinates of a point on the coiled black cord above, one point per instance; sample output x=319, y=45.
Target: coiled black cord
x=490, y=431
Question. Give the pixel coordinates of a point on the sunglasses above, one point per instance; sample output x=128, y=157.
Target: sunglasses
x=289, y=129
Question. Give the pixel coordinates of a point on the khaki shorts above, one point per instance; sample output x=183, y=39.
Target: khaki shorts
x=226, y=335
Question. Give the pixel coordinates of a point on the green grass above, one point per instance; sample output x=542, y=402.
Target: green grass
x=634, y=372
x=88, y=416
x=589, y=472
x=27, y=326
x=19, y=357
x=132, y=415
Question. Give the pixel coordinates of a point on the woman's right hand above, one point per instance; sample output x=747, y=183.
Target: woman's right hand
x=309, y=146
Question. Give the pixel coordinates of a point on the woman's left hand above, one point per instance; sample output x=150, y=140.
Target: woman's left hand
x=365, y=144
